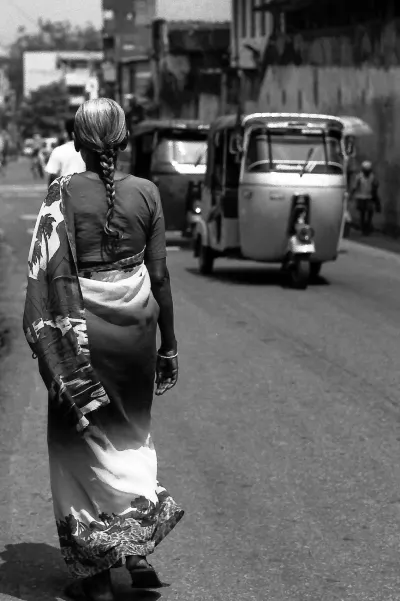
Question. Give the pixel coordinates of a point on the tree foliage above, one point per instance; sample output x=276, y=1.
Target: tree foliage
x=50, y=35
x=44, y=112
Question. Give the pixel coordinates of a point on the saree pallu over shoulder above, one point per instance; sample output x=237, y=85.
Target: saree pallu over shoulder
x=54, y=316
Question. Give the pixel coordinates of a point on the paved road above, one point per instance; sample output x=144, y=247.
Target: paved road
x=282, y=439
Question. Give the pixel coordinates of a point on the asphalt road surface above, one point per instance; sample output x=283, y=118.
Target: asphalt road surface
x=281, y=440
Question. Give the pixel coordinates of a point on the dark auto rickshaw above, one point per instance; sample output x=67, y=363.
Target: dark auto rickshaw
x=173, y=155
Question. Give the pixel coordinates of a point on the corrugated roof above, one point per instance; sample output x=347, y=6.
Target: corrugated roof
x=285, y=5
x=185, y=25
x=70, y=54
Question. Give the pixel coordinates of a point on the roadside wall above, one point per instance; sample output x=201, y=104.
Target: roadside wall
x=355, y=73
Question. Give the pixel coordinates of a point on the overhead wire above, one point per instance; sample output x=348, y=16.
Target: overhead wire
x=22, y=12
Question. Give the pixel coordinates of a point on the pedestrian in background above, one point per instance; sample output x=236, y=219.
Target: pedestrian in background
x=365, y=193
x=65, y=160
x=98, y=285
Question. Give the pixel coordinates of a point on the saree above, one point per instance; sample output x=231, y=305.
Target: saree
x=94, y=338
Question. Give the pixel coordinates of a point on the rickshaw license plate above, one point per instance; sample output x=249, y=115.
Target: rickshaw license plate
x=276, y=197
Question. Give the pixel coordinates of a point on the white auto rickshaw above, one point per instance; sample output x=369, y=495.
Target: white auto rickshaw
x=274, y=192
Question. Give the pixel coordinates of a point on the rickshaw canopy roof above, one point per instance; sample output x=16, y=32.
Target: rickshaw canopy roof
x=283, y=119
x=156, y=125
x=353, y=126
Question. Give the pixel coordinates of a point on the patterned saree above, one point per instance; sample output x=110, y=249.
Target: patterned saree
x=94, y=337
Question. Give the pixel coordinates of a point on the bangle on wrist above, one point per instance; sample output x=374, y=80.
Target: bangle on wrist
x=167, y=357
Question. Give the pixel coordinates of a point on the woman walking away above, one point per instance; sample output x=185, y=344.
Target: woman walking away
x=97, y=287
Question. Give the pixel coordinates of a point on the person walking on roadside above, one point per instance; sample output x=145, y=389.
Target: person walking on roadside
x=4, y=149
x=365, y=193
x=65, y=160
x=98, y=285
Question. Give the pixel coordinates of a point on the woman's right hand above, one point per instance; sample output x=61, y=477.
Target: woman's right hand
x=166, y=371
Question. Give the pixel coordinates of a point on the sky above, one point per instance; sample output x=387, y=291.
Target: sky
x=26, y=12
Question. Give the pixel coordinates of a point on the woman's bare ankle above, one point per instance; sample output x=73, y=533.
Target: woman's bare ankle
x=135, y=561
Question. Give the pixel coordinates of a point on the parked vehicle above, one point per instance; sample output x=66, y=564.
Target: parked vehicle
x=173, y=155
x=27, y=148
x=274, y=191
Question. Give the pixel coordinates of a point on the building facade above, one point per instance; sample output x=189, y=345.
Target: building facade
x=4, y=81
x=341, y=58
x=127, y=45
x=191, y=68
x=250, y=30
x=129, y=30
x=77, y=69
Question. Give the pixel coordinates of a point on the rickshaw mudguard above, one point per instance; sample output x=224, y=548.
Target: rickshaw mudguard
x=201, y=230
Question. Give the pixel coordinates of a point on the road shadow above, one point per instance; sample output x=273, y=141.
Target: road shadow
x=36, y=572
x=253, y=276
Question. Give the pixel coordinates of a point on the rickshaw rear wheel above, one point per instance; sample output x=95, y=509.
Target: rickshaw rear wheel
x=300, y=274
x=206, y=258
x=315, y=270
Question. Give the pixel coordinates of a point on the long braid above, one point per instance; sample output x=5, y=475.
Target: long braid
x=100, y=130
x=107, y=164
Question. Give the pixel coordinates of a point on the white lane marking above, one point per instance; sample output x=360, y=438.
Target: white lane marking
x=24, y=188
x=27, y=217
x=173, y=248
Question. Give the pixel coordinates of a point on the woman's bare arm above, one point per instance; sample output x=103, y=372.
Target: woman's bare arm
x=161, y=289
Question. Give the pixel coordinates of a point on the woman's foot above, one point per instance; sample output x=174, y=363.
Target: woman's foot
x=95, y=588
x=142, y=573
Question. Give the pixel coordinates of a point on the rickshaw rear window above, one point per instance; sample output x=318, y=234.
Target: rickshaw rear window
x=186, y=152
x=282, y=152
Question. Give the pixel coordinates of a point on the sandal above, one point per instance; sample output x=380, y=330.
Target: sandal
x=145, y=576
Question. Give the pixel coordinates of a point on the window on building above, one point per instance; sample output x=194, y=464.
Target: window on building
x=243, y=16
x=76, y=90
x=253, y=17
x=108, y=43
x=263, y=23
x=142, y=12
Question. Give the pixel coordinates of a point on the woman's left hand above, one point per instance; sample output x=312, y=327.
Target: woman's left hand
x=166, y=372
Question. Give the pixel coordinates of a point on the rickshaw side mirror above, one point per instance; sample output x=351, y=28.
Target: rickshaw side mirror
x=154, y=143
x=236, y=144
x=349, y=145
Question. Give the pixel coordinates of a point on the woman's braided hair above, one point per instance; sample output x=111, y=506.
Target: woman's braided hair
x=100, y=126
x=107, y=164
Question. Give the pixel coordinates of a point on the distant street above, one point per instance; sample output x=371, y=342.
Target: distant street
x=281, y=439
